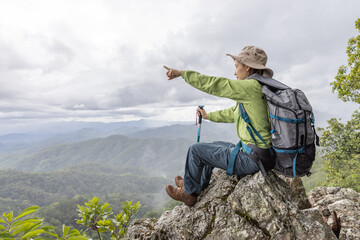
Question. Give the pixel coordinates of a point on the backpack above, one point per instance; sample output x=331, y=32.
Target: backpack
x=293, y=133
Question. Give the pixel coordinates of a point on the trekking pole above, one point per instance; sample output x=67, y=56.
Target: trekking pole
x=199, y=126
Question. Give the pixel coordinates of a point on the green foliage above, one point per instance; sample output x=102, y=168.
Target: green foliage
x=62, y=212
x=341, y=151
x=93, y=215
x=31, y=228
x=347, y=81
x=17, y=228
x=67, y=234
x=341, y=142
x=96, y=216
x=119, y=225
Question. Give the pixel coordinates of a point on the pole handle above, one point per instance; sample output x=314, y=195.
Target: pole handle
x=200, y=116
x=199, y=126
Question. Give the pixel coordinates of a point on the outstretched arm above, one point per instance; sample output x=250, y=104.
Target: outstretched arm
x=222, y=87
x=226, y=115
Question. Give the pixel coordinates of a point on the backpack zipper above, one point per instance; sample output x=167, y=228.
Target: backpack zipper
x=305, y=122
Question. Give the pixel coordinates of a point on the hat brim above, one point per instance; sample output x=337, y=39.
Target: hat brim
x=267, y=71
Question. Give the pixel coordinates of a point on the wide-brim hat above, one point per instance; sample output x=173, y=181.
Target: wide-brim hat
x=255, y=58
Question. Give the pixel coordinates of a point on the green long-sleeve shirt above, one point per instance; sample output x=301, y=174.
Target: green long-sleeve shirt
x=248, y=92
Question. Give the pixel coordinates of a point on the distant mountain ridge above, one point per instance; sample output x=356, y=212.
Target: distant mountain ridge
x=76, y=131
x=209, y=132
x=162, y=149
x=14, y=146
x=156, y=155
x=58, y=133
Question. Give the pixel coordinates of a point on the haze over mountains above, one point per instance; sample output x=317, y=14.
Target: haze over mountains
x=131, y=144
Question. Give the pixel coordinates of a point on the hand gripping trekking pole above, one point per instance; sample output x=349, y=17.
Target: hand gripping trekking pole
x=199, y=126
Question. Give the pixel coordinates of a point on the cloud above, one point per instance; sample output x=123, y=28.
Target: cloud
x=96, y=59
x=10, y=58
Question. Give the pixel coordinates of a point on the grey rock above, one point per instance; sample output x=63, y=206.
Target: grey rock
x=253, y=207
x=298, y=192
x=345, y=202
x=270, y=204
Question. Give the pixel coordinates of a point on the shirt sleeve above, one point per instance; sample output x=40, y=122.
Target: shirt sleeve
x=236, y=90
x=225, y=116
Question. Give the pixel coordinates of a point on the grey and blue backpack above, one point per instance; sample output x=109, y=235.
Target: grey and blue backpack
x=293, y=134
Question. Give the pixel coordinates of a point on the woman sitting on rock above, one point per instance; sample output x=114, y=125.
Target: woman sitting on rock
x=202, y=158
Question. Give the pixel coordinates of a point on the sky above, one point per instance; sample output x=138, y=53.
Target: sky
x=102, y=60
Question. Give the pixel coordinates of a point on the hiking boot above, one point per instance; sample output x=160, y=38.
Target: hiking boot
x=179, y=194
x=179, y=181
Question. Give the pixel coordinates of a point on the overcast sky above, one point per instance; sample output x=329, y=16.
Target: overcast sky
x=101, y=60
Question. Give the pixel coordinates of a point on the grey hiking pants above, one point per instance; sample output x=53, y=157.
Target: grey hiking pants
x=202, y=158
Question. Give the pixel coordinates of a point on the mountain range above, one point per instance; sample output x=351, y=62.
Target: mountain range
x=159, y=150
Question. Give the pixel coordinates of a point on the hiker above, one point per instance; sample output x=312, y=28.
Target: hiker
x=202, y=158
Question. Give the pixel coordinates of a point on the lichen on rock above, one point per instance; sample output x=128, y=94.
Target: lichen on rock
x=253, y=207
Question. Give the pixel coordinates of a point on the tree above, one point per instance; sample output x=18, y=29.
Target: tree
x=341, y=148
x=347, y=81
x=341, y=142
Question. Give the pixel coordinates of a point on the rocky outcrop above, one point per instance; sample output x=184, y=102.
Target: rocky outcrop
x=252, y=208
x=345, y=203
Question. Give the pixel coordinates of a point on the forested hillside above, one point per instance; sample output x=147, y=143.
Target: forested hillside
x=157, y=148
x=20, y=189
x=158, y=156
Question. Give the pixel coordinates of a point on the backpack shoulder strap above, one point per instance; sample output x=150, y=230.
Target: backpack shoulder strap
x=269, y=81
x=249, y=126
